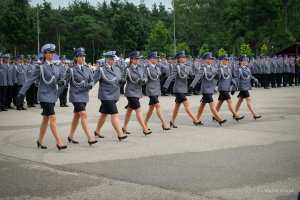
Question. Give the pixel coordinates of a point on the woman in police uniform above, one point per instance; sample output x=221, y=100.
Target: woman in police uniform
x=109, y=78
x=80, y=79
x=226, y=81
x=50, y=77
x=134, y=78
x=208, y=75
x=153, y=74
x=244, y=81
x=180, y=73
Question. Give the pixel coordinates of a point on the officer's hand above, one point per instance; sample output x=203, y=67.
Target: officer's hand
x=19, y=99
x=165, y=90
x=89, y=85
x=256, y=81
x=19, y=96
x=142, y=81
x=61, y=82
x=122, y=81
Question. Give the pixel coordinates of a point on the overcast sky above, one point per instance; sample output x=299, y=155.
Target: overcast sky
x=64, y=3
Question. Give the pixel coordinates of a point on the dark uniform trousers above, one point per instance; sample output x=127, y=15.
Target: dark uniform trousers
x=285, y=78
x=291, y=78
x=279, y=79
x=63, y=97
x=273, y=79
x=30, y=95
x=3, y=92
x=266, y=80
x=9, y=96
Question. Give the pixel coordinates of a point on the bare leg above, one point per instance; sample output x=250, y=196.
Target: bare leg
x=84, y=124
x=230, y=106
x=219, y=104
x=200, y=110
x=140, y=119
x=215, y=112
x=53, y=127
x=43, y=129
x=100, y=123
x=189, y=111
x=175, y=112
x=238, y=104
x=160, y=115
x=116, y=124
x=74, y=125
x=127, y=118
x=250, y=106
x=149, y=114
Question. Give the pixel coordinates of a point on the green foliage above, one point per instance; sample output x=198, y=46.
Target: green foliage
x=246, y=50
x=158, y=38
x=263, y=50
x=221, y=52
x=203, y=50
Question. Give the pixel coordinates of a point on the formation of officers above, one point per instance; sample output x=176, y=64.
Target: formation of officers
x=44, y=82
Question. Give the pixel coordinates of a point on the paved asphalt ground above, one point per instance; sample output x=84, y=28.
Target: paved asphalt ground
x=250, y=159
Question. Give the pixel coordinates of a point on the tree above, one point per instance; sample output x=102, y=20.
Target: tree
x=158, y=38
x=203, y=50
x=263, y=50
x=221, y=52
x=246, y=50
x=18, y=24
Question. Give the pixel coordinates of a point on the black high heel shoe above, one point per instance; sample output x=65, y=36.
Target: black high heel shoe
x=61, y=147
x=122, y=138
x=165, y=129
x=214, y=119
x=173, y=125
x=92, y=142
x=125, y=131
x=148, y=133
x=39, y=145
x=198, y=123
x=96, y=134
x=221, y=122
x=238, y=118
x=257, y=117
x=73, y=141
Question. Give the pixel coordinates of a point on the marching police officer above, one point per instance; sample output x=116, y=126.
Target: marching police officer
x=244, y=81
x=109, y=78
x=135, y=79
x=226, y=81
x=50, y=77
x=180, y=73
x=207, y=74
x=80, y=78
x=153, y=91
